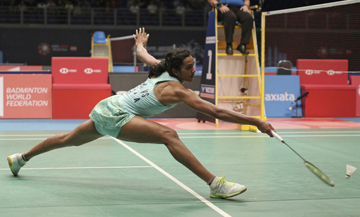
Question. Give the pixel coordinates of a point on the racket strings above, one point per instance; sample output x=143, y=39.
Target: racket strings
x=313, y=168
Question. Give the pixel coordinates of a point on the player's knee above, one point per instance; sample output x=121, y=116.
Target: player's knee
x=168, y=134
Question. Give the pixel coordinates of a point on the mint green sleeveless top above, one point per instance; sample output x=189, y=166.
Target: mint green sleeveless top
x=141, y=100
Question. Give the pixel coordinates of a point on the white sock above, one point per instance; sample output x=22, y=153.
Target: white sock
x=24, y=158
x=214, y=182
x=22, y=162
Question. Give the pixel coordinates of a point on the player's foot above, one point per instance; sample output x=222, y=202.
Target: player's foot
x=220, y=188
x=15, y=163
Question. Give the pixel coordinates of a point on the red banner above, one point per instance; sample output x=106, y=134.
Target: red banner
x=25, y=96
x=355, y=81
x=79, y=70
x=21, y=68
x=314, y=71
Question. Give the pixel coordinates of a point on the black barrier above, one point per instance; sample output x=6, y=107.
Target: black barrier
x=36, y=46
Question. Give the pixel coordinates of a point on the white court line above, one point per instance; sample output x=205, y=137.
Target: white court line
x=36, y=138
x=211, y=205
x=259, y=136
x=33, y=135
x=215, y=136
x=80, y=168
x=26, y=139
x=197, y=133
x=278, y=131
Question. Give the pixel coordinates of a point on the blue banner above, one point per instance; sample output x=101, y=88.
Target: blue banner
x=207, y=88
x=280, y=93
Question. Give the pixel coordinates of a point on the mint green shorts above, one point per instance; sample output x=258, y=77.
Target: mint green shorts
x=109, y=117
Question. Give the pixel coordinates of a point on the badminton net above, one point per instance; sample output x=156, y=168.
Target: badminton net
x=324, y=31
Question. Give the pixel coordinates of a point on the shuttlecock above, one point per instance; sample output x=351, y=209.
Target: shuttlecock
x=349, y=171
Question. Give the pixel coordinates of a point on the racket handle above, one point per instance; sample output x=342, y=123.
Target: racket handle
x=277, y=136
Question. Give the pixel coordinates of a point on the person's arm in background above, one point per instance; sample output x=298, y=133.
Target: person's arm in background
x=140, y=40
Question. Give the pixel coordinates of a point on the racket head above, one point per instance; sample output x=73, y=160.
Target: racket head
x=319, y=174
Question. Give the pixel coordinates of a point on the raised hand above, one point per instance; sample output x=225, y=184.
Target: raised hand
x=141, y=37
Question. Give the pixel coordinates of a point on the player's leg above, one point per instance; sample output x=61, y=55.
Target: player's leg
x=141, y=130
x=82, y=134
x=144, y=131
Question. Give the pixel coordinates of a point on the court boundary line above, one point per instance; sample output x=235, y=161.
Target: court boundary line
x=215, y=136
x=230, y=133
x=202, y=199
x=78, y=168
x=261, y=136
x=201, y=133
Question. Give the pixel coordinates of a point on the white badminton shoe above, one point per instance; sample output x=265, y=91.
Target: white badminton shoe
x=220, y=188
x=15, y=163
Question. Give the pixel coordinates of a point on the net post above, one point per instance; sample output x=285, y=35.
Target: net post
x=262, y=92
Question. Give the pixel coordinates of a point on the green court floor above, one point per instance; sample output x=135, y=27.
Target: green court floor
x=109, y=177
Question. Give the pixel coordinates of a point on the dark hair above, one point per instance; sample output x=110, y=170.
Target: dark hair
x=173, y=60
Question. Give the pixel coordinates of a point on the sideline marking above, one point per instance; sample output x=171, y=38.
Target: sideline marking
x=262, y=136
x=218, y=136
x=78, y=168
x=211, y=205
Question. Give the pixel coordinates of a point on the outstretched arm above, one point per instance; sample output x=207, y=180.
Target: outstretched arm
x=140, y=40
x=190, y=98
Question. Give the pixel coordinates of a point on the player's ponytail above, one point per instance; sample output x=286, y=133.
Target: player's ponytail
x=157, y=70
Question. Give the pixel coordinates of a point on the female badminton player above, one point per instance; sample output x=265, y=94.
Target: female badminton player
x=124, y=117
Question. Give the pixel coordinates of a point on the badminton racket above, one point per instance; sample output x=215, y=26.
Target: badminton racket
x=309, y=165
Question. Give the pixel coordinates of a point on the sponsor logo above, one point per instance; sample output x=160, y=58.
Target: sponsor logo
x=210, y=40
x=322, y=52
x=22, y=96
x=309, y=72
x=90, y=70
x=25, y=96
x=44, y=49
x=66, y=70
x=207, y=91
x=280, y=97
x=330, y=72
x=73, y=48
x=59, y=48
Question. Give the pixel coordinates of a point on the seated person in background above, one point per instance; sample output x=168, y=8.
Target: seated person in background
x=51, y=4
x=41, y=4
x=134, y=8
x=152, y=8
x=180, y=9
x=69, y=5
x=229, y=12
x=77, y=8
x=22, y=6
x=162, y=8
